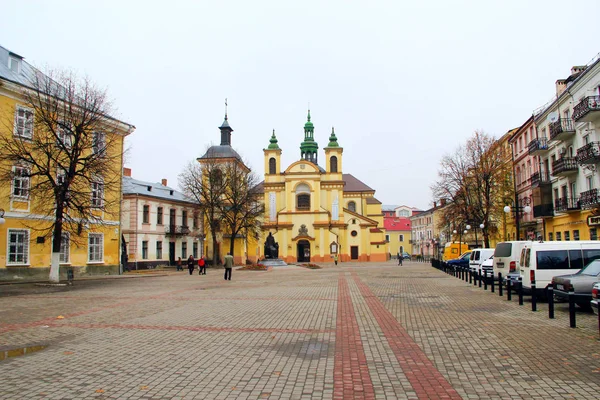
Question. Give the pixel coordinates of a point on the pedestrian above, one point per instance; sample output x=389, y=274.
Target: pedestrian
x=179, y=267
x=335, y=258
x=201, y=266
x=228, y=261
x=400, y=259
x=190, y=263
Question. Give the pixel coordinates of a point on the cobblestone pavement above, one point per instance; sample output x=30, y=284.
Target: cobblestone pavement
x=342, y=332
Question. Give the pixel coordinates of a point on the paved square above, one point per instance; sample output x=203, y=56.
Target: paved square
x=350, y=331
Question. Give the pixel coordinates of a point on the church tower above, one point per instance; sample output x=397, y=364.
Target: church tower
x=272, y=156
x=309, y=148
x=333, y=156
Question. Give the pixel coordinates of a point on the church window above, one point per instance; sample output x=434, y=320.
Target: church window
x=353, y=233
x=303, y=200
x=272, y=166
x=217, y=178
x=303, y=197
x=333, y=164
x=352, y=206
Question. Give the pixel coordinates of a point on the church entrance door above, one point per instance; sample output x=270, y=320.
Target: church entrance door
x=354, y=252
x=303, y=251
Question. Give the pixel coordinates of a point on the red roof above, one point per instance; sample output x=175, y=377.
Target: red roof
x=397, y=224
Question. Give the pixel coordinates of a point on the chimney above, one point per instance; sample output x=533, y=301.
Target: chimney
x=434, y=204
x=576, y=69
x=164, y=182
x=442, y=202
x=561, y=85
x=127, y=172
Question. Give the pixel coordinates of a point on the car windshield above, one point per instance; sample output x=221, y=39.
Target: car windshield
x=466, y=256
x=592, y=268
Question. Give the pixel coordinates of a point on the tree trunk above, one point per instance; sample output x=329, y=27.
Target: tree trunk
x=56, y=241
x=215, y=254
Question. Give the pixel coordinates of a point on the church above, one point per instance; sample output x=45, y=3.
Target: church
x=315, y=212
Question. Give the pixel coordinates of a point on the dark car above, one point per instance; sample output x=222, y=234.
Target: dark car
x=405, y=256
x=580, y=283
x=462, y=261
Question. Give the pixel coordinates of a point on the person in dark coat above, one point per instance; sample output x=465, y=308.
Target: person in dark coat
x=190, y=263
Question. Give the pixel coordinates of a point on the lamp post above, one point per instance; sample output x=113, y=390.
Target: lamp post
x=517, y=209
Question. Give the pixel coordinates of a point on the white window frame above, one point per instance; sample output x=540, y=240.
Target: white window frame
x=65, y=248
x=12, y=61
x=98, y=143
x=23, y=123
x=20, y=183
x=63, y=135
x=97, y=200
x=95, y=248
x=21, y=254
x=401, y=238
x=145, y=249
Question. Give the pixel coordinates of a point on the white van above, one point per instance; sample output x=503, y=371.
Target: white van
x=543, y=260
x=506, y=257
x=478, y=256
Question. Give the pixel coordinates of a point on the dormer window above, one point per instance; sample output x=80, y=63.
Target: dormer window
x=14, y=64
x=171, y=192
x=149, y=188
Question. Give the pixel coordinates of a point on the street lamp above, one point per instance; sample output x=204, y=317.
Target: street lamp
x=2, y=220
x=517, y=210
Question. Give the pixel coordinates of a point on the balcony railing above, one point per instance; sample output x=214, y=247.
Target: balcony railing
x=589, y=199
x=589, y=154
x=177, y=230
x=586, y=107
x=562, y=129
x=543, y=210
x=540, y=179
x=538, y=145
x=563, y=204
x=564, y=166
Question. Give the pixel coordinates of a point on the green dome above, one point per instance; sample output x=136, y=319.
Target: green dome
x=333, y=139
x=308, y=124
x=273, y=142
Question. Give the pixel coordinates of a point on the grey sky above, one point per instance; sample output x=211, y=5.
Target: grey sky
x=402, y=82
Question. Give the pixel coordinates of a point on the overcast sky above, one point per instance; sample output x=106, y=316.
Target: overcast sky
x=403, y=83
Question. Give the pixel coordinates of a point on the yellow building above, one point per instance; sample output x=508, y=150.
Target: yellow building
x=26, y=232
x=314, y=212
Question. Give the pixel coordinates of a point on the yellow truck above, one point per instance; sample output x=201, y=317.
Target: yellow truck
x=453, y=250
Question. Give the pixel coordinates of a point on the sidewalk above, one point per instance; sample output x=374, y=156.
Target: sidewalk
x=347, y=331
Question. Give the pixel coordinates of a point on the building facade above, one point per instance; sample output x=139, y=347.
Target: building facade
x=315, y=212
x=398, y=228
x=26, y=234
x=159, y=224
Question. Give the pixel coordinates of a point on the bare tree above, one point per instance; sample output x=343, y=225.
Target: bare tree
x=241, y=207
x=68, y=151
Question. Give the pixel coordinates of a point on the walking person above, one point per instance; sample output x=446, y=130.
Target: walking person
x=335, y=258
x=228, y=266
x=201, y=266
x=190, y=263
x=400, y=259
x=179, y=267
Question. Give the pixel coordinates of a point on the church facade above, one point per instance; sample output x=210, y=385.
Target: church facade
x=315, y=212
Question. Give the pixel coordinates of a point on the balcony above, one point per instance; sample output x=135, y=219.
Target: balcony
x=590, y=199
x=589, y=154
x=565, y=204
x=540, y=179
x=177, y=230
x=538, y=146
x=562, y=129
x=543, y=210
x=565, y=166
x=588, y=110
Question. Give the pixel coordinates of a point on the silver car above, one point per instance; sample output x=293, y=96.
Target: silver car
x=580, y=283
x=595, y=297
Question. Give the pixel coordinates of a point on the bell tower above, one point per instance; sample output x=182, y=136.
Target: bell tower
x=309, y=148
x=272, y=156
x=333, y=156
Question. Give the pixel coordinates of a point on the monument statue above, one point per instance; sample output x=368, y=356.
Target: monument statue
x=271, y=247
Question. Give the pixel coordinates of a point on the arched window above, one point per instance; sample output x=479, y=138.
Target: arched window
x=217, y=178
x=303, y=197
x=352, y=206
x=272, y=166
x=333, y=164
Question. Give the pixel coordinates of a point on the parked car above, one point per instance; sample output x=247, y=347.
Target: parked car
x=487, y=267
x=595, y=297
x=506, y=258
x=580, y=283
x=540, y=261
x=462, y=261
x=405, y=256
x=478, y=256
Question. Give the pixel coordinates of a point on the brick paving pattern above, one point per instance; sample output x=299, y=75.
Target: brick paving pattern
x=351, y=331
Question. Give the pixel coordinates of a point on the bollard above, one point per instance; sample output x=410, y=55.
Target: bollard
x=508, y=289
x=465, y=274
x=572, y=322
x=484, y=279
x=479, y=277
x=492, y=282
x=500, y=284
x=470, y=276
x=550, y=294
x=520, y=290
x=533, y=296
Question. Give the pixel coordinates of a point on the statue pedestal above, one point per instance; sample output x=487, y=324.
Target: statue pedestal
x=273, y=262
